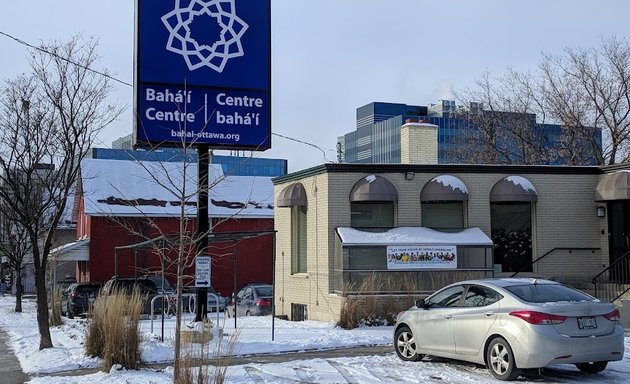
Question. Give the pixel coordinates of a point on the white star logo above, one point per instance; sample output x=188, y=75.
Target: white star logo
x=202, y=47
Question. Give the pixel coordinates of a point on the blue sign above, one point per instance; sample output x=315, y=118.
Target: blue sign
x=203, y=73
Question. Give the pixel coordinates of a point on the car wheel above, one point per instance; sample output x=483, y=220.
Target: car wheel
x=500, y=360
x=69, y=312
x=405, y=345
x=595, y=367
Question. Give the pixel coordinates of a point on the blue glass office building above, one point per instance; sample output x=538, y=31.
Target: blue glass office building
x=377, y=135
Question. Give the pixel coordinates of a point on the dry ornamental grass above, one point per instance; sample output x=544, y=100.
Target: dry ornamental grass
x=113, y=333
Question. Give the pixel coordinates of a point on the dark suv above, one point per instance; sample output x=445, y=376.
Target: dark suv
x=78, y=297
x=146, y=286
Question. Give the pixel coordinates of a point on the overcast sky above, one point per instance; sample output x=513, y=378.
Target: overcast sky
x=331, y=56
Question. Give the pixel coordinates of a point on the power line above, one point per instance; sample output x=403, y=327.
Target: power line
x=20, y=41
x=306, y=143
x=64, y=58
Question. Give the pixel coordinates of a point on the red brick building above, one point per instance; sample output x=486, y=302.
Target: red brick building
x=121, y=203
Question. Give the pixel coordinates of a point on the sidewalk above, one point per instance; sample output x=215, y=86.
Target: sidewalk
x=263, y=358
x=10, y=370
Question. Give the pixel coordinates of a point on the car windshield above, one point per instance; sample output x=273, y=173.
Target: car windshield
x=264, y=290
x=548, y=293
x=157, y=280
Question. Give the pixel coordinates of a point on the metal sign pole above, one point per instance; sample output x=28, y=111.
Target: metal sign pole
x=203, y=225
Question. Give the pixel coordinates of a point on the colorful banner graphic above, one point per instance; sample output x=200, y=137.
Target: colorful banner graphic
x=422, y=257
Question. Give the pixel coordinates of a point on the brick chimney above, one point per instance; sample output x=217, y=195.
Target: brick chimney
x=418, y=142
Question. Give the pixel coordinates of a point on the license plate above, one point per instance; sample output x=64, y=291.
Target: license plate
x=587, y=322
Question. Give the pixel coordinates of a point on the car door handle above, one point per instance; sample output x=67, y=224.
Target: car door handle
x=447, y=317
x=488, y=314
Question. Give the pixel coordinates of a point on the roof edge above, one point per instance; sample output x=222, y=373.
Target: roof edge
x=441, y=168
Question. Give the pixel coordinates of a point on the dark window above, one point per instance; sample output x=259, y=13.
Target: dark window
x=512, y=235
x=480, y=296
x=298, y=312
x=372, y=214
x=264, y=291
x=443, y=214
x=299, y=243
x=449, y=297
x=548, y=293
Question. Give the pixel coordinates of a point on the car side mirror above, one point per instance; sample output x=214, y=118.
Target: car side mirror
x=422, y=303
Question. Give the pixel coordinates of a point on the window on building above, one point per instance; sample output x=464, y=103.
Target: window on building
x=373, y=203
x=372, y=214
x=443, y=214
x=298, y=243
x=512, y=235
x=444, y=202
x=365, y=258
x=512, y=202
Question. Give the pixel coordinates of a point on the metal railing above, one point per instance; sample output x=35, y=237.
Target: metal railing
x=397, y=282
x=614, y=281
x=191, y=309
x=529, y=267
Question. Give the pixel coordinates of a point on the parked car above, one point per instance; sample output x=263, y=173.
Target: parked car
x=159, y=281
x=511, y=324
x=252, y=300
x=78, y=297
x=144, y=284
x=66, y=282
x=212, y=301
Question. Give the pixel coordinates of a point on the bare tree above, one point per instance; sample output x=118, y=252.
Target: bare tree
x=175, y=185
x=584, y=91
x=16, y=247
x=501, y=122
x=50, y=119
x=588, y=88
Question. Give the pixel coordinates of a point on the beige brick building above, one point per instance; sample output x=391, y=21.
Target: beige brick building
x=527, y=212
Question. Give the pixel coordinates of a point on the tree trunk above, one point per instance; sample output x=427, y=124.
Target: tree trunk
x=177, y=366
x=45, y=341
x=19, y=290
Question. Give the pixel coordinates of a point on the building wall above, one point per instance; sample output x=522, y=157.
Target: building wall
x=249, y=260
x=310, y=288
x=253, y=256
x=329, y=208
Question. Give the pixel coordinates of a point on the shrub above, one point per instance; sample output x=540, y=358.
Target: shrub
x=202, y=366
x=95, y=332
x=113, y=332
x=54, y=303
x=349, y=315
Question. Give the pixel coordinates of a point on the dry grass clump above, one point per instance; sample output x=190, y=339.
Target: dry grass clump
x=201, y=365
x=95, y=333
x=113, y=332
x=54, y=303
x=349, y=315
x=377, y=301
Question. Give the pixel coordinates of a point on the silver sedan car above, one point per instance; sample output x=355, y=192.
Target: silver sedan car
x=511, y=324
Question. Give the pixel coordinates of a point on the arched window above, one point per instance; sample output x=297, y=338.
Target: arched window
x=373, y=203
x=443, y=202
x=511, y=207
x=294, y=197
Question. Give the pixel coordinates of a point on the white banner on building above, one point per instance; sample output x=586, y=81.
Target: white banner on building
x=422, y=257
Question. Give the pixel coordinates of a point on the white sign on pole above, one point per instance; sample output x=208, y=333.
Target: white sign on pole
x=202, y=271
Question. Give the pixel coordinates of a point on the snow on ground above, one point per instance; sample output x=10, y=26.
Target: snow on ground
x=255, y=338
